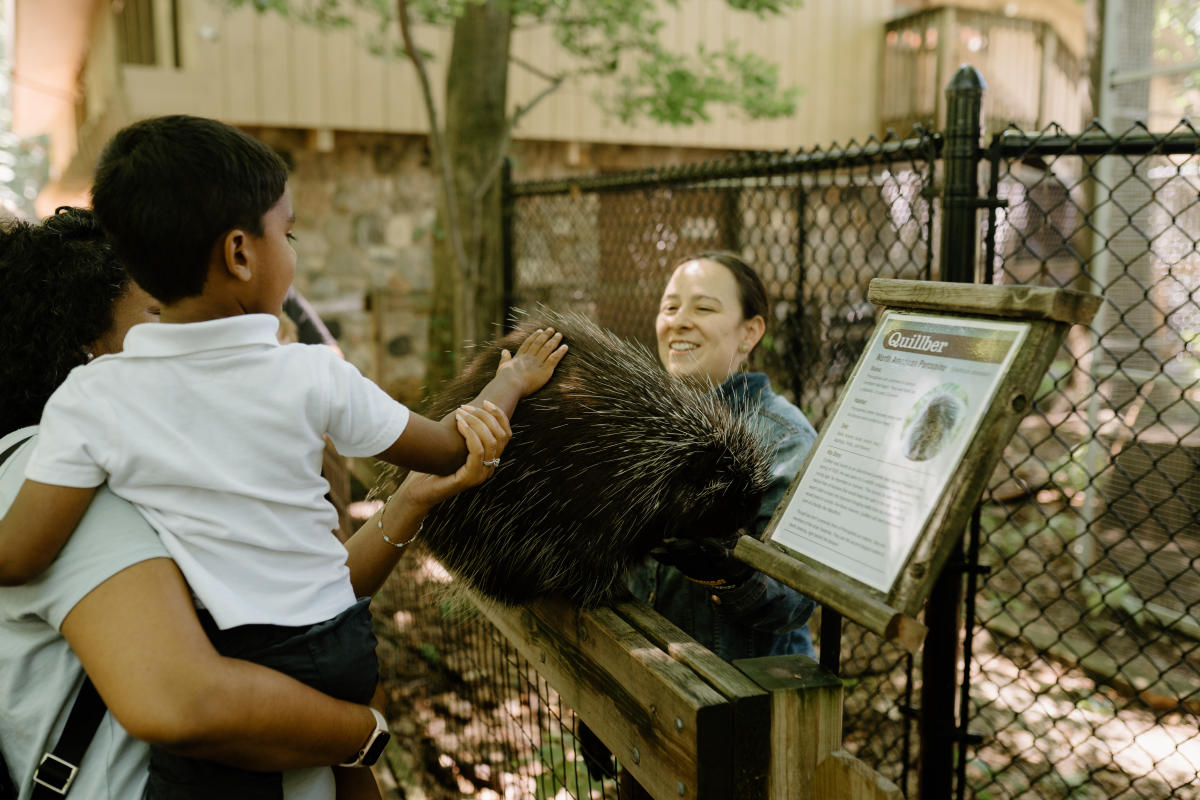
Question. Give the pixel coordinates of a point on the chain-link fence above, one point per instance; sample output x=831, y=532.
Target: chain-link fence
x=817, y=226
x=1079, y=668
x=1085, y=675
x=472, y=717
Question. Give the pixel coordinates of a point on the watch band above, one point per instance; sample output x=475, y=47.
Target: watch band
x=374, y=746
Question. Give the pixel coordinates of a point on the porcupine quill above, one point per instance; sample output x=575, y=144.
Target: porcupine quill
x=608, y=458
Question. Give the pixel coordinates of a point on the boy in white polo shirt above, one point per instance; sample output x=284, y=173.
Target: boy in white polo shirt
x=215, y=431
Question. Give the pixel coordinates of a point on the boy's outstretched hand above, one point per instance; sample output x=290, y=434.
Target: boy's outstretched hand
x=535, y=360
x=441, y=447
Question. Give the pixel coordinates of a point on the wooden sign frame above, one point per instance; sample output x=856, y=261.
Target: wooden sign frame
x=1047, y=314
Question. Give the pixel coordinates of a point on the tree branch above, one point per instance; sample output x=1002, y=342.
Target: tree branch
x=437, y=139
x=525, y=65
x=506, y=140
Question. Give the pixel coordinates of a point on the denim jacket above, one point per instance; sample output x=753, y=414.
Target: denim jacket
x=760, y=616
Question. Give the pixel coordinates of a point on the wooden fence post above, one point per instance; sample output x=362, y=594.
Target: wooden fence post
x=806, y=720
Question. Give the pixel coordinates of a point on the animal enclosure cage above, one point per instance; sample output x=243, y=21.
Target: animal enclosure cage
x=1078, y=665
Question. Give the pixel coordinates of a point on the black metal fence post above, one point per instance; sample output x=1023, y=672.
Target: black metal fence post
x=960, y=204
x=961, y=153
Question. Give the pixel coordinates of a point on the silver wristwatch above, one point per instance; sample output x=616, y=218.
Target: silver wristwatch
x=374, y=746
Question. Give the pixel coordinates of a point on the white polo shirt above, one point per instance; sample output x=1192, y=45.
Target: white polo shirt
x=215, y=432
x=39, y=673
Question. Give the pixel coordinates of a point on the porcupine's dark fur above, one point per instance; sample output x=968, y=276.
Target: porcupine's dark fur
x=609, y=457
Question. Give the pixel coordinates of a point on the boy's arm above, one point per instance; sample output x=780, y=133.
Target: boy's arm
x=163, y=681
x=436, y=447
x=38, y=523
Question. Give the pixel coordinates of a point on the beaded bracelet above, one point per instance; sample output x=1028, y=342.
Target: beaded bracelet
x=397, y=545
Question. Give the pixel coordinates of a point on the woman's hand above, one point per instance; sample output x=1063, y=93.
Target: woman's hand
x=486, y=432
x=708, y=561
x=376, y=547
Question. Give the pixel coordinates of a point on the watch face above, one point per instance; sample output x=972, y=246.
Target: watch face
x=375, y=748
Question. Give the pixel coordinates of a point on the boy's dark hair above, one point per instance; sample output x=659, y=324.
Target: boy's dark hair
x=751, y=290
x=168, y=188
x=58, y=283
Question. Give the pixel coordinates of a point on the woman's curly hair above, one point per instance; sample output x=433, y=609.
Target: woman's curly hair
x=59, y=281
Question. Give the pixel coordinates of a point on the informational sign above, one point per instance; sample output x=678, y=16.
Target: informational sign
x=885, y=457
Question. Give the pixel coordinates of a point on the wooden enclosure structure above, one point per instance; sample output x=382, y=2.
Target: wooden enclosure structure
x=685, y=723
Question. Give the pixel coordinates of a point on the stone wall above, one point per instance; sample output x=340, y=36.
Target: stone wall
x=364, y=223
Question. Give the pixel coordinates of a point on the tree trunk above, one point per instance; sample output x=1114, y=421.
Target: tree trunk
x=468, y=302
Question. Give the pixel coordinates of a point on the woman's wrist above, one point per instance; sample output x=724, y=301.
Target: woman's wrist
x=400, y=519
x=407, y=502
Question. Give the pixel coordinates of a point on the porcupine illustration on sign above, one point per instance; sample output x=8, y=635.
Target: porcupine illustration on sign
x=607, y=459
x=934, y=422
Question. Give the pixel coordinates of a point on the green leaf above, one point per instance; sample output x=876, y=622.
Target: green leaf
x=676, y=90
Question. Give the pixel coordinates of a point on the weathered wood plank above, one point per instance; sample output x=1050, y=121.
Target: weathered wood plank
x=750, y=747
x=667, y=726
x=841, y=776
x=830, y=588
x=716, y=671
x=1015, y=302
x=806, y=720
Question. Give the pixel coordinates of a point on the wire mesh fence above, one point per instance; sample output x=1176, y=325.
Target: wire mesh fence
x=817, y=226
x=1081, y=663
x=473, y=717
x=1087, y=668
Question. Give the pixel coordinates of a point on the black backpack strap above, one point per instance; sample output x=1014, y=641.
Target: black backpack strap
x=12, y=449
x=58, y=768
x=7, y=790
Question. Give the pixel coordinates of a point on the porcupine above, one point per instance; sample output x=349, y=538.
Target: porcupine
x=606, y=459
x=934, y=427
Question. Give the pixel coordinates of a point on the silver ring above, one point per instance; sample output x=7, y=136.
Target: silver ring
x=495, y=462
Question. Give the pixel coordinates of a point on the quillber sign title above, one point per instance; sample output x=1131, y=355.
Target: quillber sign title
x=915, y=342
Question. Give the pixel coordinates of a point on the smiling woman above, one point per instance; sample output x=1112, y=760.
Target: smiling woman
x=712, y=315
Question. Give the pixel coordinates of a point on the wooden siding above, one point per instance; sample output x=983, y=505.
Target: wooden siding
x=253, y=69
x=1032, y=77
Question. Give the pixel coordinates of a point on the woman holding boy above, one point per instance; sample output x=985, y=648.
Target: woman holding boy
x=215, y=431
x=114, y=603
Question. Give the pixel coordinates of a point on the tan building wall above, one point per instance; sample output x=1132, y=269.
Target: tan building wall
x=262, y=70
x=352, y=126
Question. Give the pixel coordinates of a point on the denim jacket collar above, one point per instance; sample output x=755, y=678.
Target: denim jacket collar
x=743, y=389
